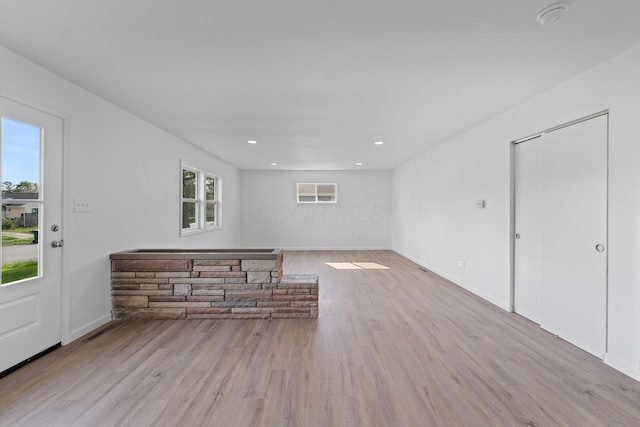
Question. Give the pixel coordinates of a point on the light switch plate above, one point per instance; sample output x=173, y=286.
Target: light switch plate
x=81, y=205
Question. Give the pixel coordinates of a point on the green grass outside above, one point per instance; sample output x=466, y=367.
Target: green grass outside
x=23, y=229
x=13, y=241
x=19, y=271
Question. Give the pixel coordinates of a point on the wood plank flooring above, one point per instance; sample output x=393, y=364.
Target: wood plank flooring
x=395, y=347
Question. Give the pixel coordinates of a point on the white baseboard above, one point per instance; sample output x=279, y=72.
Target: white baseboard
x=624, y=367
x=503, y=305
x=617, y=364
x=77, y=333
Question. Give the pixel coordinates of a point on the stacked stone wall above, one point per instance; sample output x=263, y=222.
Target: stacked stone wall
x=210, y=288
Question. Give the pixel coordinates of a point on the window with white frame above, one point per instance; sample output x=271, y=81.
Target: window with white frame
x=200, y=208
x=317, y=193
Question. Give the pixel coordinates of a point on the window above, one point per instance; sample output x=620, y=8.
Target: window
x=211, y=203
x=21, y=162
x=200, y=200
x=317, y=193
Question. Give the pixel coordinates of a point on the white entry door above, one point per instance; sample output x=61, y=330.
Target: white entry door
x=561, y=233
x=30, y=293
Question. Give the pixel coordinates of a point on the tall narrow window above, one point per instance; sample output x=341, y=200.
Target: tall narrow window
x=189, y=199
x=200, y=200
x=210, y=184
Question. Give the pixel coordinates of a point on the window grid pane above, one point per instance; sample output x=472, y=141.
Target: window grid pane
x=307, y=189
x=211, y=214
x=189, y=215
x=189, y=184
x=210, y=188
x=326, y=192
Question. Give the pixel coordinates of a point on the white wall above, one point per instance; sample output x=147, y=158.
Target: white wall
x=360, y=220
x=436, y=223
x=129, y=170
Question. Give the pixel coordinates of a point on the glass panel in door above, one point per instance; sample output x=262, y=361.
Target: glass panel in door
x=21, y=201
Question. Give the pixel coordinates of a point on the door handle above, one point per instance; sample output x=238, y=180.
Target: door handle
x=57, y=243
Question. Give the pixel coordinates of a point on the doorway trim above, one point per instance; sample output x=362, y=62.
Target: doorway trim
x=65, y=277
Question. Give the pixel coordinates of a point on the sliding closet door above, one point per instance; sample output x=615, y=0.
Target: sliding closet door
x=528, y=269
x=571, y=174
x=574, y=234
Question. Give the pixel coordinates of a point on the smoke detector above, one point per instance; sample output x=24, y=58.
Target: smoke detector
x=552, y=13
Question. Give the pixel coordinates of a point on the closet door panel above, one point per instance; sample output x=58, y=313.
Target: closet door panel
x=528, y=201
x=573, y=225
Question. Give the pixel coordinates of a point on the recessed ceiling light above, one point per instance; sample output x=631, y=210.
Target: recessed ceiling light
x=552, y=13
x=252, y=142
x=379, y=142
x=358, y=163
x=274, y=164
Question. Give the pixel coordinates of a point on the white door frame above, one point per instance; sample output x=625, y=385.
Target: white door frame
x=512, y=216
x=65, y=307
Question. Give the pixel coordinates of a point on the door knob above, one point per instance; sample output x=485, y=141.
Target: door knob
x=600, y=248
x=57, y=243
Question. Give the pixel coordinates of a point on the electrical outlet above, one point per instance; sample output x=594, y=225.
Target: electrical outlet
x=462, y=264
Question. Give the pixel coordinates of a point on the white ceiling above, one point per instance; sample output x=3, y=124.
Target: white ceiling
x=316, y=82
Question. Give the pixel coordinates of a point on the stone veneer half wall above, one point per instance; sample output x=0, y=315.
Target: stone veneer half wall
x=193, y=285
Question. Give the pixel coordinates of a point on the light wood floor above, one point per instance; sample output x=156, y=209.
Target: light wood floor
x=397, y=347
